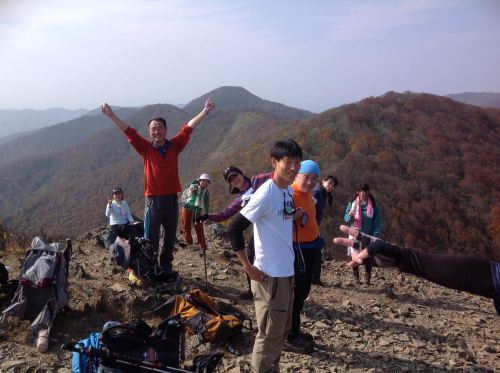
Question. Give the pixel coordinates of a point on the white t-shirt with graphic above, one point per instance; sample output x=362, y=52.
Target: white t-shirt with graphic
x=272, y=229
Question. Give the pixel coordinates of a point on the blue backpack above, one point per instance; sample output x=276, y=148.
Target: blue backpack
x=81, y=363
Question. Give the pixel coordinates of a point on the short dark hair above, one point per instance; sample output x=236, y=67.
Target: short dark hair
x=365, y=188
x=362, y=187
x=159, y=119
x=334, y=180
x=288, y=148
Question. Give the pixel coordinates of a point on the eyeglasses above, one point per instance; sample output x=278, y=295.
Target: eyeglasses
x=288, y=207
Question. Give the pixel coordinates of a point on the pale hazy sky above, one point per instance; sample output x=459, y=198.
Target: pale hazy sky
x=314, y=54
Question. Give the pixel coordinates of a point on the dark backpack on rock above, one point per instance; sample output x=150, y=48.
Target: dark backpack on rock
x=135, y=347
x=139, y=255
x=120, y=347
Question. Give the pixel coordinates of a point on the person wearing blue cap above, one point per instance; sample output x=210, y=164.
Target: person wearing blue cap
x=306, y=248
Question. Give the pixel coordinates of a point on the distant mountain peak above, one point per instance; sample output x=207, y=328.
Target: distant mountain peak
x=239, y=98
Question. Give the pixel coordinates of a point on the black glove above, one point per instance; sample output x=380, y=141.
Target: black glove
x=201, y=218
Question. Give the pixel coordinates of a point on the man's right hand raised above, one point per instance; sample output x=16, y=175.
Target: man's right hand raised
x=106, y=109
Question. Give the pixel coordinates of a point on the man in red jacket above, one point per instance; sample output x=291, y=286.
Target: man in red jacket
x=161, y=176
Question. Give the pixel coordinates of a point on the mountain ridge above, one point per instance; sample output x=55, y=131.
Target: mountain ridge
x=12, y=121
x=483, y=99
x=431, y=162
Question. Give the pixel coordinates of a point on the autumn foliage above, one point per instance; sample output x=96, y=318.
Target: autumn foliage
x=433, y=165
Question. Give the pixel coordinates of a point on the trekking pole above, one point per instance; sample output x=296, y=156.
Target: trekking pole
x=204, y=242
x=205, y=260
x=117, y=358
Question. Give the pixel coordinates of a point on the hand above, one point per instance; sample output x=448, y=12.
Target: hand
x=201, y=218
x=351, y=213
x=209, y=105
x=357, y=258
x=110, y=201
x=299, y=212
x=106, y=109
x=255, y=274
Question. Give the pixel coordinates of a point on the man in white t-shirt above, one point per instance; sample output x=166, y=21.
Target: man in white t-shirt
x=271, y=211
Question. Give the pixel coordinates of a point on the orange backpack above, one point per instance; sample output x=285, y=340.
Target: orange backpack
x=201, y=316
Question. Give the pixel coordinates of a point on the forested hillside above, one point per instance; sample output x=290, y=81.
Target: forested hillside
x=64, y=190
x=432, y=164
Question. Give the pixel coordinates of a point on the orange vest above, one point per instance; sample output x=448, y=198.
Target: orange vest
x=311, y=231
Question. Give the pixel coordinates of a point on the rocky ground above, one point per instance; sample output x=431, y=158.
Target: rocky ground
x=398, y=324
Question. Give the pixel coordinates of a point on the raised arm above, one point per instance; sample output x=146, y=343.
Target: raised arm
x=106, y=110
x=209, y=106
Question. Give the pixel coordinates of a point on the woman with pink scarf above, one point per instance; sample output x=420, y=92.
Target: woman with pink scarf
x=364, y=215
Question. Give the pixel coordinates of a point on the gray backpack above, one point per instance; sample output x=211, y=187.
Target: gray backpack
x=43, y=284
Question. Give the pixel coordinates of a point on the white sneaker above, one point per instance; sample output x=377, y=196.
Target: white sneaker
x=42, y=342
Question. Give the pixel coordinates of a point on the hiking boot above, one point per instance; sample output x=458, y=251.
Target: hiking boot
x=246, y=295
x=305, y=336
x=368, y=277
x=298, y=345
x=355, y=276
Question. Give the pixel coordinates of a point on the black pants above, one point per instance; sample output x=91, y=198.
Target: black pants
x=117, y=230
x=302, y=287
x=459, y=272
x=162, y=212
x=250, y=251
x=316, y=277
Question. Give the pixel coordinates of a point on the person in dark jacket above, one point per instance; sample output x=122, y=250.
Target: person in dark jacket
x=322, y=193
x=483, y=276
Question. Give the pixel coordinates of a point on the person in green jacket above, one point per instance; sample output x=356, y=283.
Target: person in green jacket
x=195, y=201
